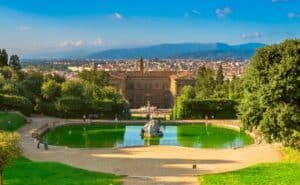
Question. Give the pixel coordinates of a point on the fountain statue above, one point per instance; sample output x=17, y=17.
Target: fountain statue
x=152, y=129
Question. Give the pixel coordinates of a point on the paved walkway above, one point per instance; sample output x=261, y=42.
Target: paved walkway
x=155, y=165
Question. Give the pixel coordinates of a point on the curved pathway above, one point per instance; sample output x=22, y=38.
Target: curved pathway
x=155, y=165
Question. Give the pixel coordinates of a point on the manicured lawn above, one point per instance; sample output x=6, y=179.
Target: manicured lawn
x=286, y=172
x=10, y=121
x=23, y=171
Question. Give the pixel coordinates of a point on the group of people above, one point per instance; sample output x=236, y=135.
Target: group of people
x=87, y=117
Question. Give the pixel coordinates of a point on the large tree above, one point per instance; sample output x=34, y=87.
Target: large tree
x=271, y=99
x=14, y=62
x=9, y=150
x=3, y=58
x=50, y=90
x=205, y=83
x=97, y=77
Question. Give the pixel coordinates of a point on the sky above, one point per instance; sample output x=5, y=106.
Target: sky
x=37, y=26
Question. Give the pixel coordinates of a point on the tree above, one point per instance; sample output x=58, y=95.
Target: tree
x=9, y=150
x=188, y=92
x=3, y=58
x=271, y=98
x=50, y=90
x=14, y=62
x=56, y=77
x=205, y=83
x=72, y=88
x=220, y=76
x=97, y=77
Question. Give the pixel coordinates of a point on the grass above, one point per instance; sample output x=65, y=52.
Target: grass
x=286, y=172
x=24, y=171
x=10, y=121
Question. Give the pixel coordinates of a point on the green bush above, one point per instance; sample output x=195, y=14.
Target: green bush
x=71, y=106
x=198, y=109
x=46, y=108
x=19, y=103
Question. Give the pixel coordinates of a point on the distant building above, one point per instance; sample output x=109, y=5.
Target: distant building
x=160, y=88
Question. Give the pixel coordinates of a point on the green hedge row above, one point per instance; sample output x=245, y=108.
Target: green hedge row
x=199, y=109
x=19, y=103
x=74, y=107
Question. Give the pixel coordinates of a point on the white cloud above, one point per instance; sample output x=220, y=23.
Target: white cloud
x=292, y=15
x=223, y=12
x=23, y=28
x=118, y=16
x=77, y=43
x=81, y=43
x=251, y=36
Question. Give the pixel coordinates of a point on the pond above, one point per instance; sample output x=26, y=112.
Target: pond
x=121, y=135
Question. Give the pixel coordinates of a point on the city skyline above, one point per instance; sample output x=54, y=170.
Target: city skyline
x=32, y=27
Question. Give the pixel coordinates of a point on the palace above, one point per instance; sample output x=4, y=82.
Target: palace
x=159, y=88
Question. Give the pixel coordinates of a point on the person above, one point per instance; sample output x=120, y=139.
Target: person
x=46, y=145
x=38, y=141
x=84, y=117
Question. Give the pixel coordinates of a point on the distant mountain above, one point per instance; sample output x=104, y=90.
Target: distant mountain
x=183, y=50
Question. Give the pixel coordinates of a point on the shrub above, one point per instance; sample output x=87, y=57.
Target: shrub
x=19, y=103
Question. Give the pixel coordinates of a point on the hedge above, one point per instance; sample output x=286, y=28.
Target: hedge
x=199, y=109
x=19, y=103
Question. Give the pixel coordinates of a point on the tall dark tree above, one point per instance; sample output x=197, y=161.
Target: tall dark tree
x=14, y=62
x=205, y=83
x=271, y=98
x=3, y=58
x=220, y=75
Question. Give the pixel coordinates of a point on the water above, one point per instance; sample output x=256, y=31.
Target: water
x=117, y=135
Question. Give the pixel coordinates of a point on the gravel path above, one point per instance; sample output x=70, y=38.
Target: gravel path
x=155, y=165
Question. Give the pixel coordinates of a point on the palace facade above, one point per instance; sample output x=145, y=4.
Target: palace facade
x=159, y=88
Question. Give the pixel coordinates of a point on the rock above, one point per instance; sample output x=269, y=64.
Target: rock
x=152, y=129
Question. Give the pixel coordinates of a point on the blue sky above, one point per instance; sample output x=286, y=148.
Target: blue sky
x=32, y=26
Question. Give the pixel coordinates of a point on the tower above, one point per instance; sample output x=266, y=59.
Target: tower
x=140, y=64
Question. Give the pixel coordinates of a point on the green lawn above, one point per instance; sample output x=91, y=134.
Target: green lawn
x=286, y=172
x=23, y=171
x=10, y=121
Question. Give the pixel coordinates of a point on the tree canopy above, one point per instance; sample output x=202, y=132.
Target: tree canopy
x=98, y=77
x=271, y=97
x=3, y=58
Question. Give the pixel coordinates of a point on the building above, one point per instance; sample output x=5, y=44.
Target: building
x=159, y=88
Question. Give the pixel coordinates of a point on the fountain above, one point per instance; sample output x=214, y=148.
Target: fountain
x=152, y=129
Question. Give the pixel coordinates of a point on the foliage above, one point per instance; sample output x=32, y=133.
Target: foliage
x=195, y=108
x=272, y=93
x=23, y=171
x=220, y=76
x=72, y=88
x=3, y=58
x=11, y=102
x=10, y=121
x=71, y=106
x=56, y=77
x=47, y=108
x=205, y=82
x=97, y=77
x=51, y=90
x=14, y=62
x=9, y=150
